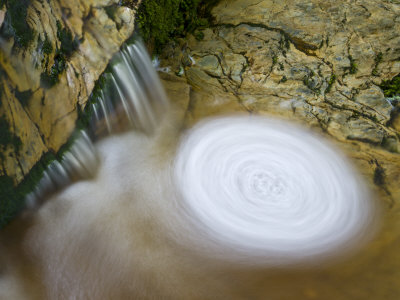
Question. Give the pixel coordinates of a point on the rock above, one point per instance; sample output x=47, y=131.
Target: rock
x=32, y=145
x=54, y=74
x=200, y=80
x=363, y=130
x=177, y=88
x=317, y=63
x=374, y=99
x=210, y=65
x=2, y=14
x=234, y=65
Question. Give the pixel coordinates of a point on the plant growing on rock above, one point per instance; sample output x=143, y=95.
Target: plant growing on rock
x=159, y=21
x=15, y=23
x=331, y=81
x=353, y=66
x=391, y=88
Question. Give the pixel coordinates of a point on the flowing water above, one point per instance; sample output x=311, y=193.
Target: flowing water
x=235, y=208
x=132, y=98
x=270, y=192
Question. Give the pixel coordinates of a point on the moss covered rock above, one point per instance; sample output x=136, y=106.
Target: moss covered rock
x=161, y=20
x=51, y=54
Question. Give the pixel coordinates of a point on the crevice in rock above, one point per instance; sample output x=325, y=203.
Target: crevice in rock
x=380, y=180
x=300, y=45
x=53, y=125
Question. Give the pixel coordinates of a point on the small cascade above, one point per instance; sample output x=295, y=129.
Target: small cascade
x=132, y=98
x=79, y=162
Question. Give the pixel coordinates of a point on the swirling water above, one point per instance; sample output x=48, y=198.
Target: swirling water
x=138, y=230
x=225, y=211
x=272, y=191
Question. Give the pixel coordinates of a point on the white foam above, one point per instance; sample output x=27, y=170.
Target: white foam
x=266, y=190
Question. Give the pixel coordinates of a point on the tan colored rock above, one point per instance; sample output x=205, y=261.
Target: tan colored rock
x=32, y=145
x=314, y=62
x=293, y=59
x=210, y=65
x=2, y=14
x=50, y=113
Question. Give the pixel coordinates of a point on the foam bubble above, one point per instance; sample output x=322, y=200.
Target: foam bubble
x=262, y=188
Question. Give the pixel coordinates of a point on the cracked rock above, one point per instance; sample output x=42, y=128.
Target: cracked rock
x=319, y=63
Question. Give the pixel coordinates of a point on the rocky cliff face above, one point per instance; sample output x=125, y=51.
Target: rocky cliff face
x=320, y=63
x=51, y=54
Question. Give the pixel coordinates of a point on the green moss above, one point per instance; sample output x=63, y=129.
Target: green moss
x=331, y=81
x=68, y=43
x=68, y=46
x=128, y=3
x=160, y=20
x=15, y=24
x=10, y=203
x=199, y=35
x=391, y=88
x=283, y=80
x=48, y=79
x=47, y=47
x=12, y=198
x=110, y=11
x=7, y=137
x=85, y=116
x=44, y=46
x=353, y=66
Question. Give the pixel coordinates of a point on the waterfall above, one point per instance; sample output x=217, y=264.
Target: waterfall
x=79, y=162
x=133, y=94
x=132, y=98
